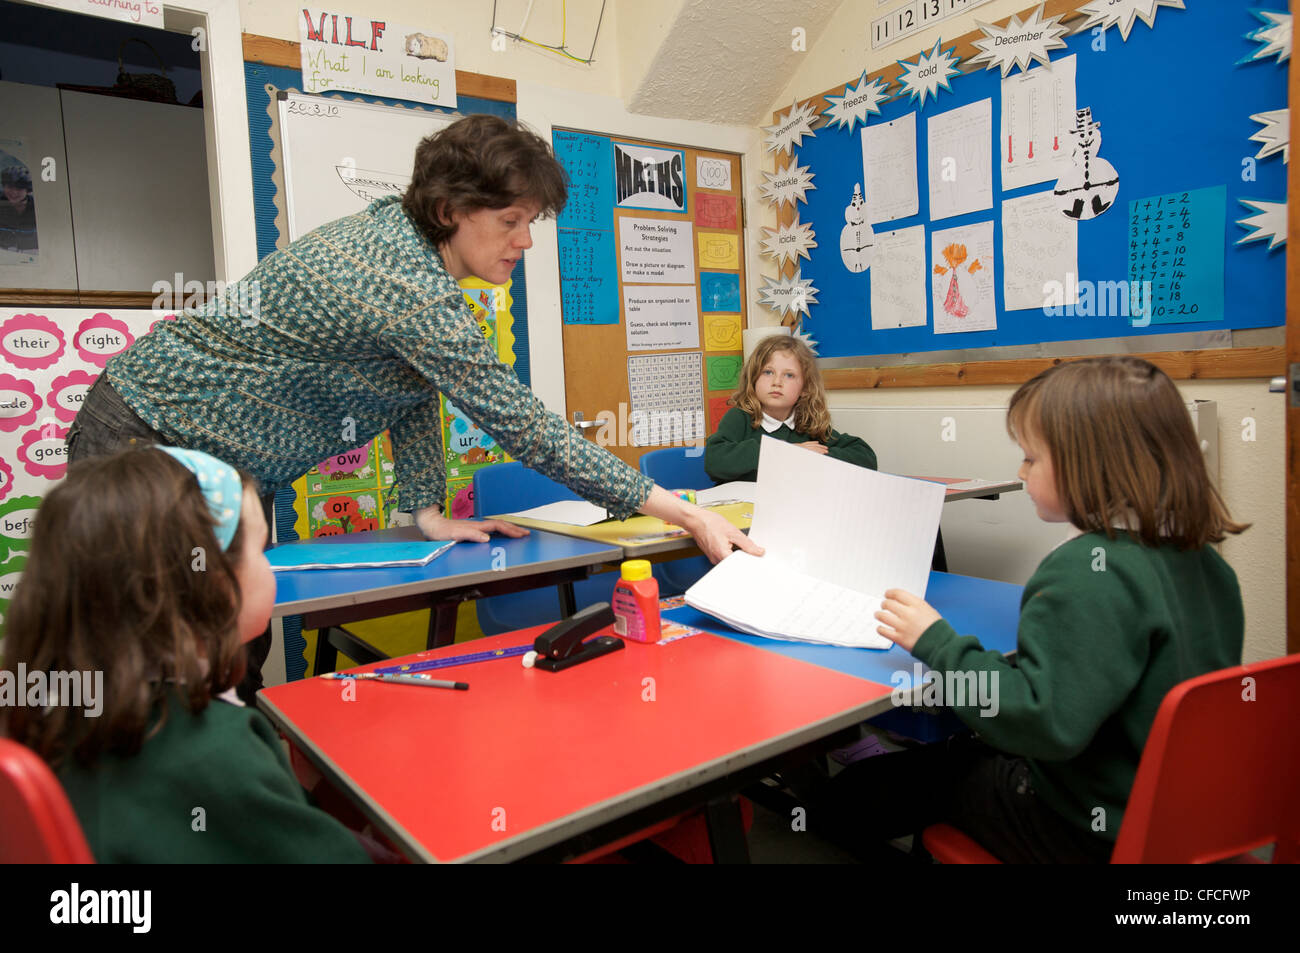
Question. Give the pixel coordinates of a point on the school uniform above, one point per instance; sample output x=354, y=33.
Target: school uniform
x=1107, y=628
x=211, y=787
x=731, y=453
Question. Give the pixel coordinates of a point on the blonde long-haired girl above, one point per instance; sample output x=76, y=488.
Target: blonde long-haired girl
x=780, y=395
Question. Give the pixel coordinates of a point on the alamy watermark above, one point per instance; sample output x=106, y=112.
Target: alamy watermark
x=951, y=689
x=127, y=907
x=639, y=428
x=241, y=299
x=39, y=689
x=1098, y=299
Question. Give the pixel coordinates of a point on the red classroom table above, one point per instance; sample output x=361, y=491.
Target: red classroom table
x=529, y=760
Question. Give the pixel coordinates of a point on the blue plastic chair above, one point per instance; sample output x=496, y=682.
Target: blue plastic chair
x=678, y=468
x=509, y=488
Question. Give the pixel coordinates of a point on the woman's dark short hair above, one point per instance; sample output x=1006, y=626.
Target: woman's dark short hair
x=479, y=162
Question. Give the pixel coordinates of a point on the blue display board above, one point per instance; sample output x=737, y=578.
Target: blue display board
x=1174, y=107
x=588, y=276
x=588, y=254
x=589, y=162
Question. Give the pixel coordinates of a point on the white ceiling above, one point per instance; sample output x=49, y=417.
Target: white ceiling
x=726, y=60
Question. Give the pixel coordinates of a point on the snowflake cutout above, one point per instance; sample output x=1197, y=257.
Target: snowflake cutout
x=858, y=100
x=1019, y=44
x=790, y=128
x=1109, y=13
x=787, y=184
x=788, y=243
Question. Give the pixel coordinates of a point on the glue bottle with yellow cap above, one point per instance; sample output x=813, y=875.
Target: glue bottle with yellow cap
x=636, y=602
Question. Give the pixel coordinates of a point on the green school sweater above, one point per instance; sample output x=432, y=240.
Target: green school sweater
x=732, y=452
x=226, y=760
x=1107, y=628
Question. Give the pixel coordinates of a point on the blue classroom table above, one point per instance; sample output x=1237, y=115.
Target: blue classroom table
x=327, y=599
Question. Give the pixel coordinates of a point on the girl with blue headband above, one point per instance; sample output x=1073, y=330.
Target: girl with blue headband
x=146, y=570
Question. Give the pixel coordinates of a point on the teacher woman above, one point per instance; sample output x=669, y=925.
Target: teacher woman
x=355, y=328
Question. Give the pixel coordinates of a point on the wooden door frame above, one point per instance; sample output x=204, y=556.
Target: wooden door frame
x=1292, y=410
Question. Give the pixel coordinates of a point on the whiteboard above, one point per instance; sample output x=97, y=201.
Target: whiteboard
x=340, y=155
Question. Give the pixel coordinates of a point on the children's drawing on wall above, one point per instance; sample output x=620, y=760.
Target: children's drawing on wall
x=857, y=239
x=1091, y=184
x=955, y=256
x=962, y=279
x=18, y=241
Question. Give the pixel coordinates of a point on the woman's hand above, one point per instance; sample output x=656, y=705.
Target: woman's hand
x=436, y=526
x=715, y=535
x=814, y=446
x=905, y=617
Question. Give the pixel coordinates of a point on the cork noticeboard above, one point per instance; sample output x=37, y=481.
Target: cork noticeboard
x=652, y=272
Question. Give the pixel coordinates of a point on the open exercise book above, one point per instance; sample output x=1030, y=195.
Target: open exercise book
x=836, y=537
x=358, y=555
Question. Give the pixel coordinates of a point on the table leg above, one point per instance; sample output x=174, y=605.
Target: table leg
x=568, y=601
x=726, y=831
x=940, y=561
x=442, y=624
x=327, y=656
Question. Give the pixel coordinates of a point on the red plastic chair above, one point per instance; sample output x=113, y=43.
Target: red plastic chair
x=37, y=825
x=1219, y=776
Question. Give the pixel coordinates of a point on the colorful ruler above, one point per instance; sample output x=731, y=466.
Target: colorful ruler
x=451, y=661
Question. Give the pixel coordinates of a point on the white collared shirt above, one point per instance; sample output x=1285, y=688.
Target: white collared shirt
x=772, y=425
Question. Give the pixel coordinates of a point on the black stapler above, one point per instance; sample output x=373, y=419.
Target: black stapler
x=561, y=646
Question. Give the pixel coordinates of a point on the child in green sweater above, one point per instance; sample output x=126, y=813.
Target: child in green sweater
x=780, y=395
x=146, y=574
x=1109, y=623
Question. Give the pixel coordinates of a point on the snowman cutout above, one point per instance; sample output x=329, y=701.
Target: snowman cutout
x=857, y=240
x=1091, y=184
